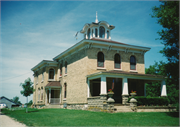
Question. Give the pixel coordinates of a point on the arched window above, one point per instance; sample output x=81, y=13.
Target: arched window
x=51, y=73
x=88, y=33
x=100, y=59
x=60, y=69
x=65, y=90
x=102, y=32
x=132, y=63
x=65, y=67
x=96, y=32
x=107, y=34
x=117, y=61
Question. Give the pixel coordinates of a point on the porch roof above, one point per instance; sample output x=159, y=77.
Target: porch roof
x=122, y=74
x=53, y=84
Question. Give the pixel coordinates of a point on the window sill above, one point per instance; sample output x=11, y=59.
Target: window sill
x=133, y=71
x=64, y=99
x=118, y=69
x=65, y=75
x=36, y=83
x=101, y=68
x=51, y=80
x=42, y=81
x=60, y=76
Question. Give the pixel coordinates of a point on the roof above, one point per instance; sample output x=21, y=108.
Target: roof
x=8, y=100
x=54, y=84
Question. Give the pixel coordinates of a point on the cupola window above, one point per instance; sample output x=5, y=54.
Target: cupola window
x=102, y=32
x=96, y=32
x=107, y=34
x=88, y=33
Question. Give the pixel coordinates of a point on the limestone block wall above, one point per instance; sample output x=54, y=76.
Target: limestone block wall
x=75, y=78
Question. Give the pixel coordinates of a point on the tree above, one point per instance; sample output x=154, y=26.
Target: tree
x=27, y=89
x=168, y=16
x=16, y=100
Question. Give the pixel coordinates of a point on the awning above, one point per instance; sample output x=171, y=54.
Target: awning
x=53, y=84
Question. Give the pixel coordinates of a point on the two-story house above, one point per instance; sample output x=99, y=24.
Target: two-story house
x=90, y=67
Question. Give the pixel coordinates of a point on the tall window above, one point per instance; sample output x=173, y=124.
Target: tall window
x=51, y=73
x=37, y=79
x=88, y=33
x=65, y=90
x=100, y=59
x=42, y=93
x=102, y=32
x=117, y=61
x=107, y=34
x=60, y=69
x=132, y=63
x=38, y=94
x=65, y=67
x=42, y=76
x=96, y=32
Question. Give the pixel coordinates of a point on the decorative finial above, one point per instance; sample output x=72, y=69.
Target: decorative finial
x=96, y=21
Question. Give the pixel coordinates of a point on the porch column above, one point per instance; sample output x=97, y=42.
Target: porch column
x=163, y=88
x=125, y=93
x=88, y=90
x=46, y=96
x=103, y=85
x=49, y=95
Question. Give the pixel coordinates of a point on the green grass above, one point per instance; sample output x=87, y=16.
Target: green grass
x=65, y=117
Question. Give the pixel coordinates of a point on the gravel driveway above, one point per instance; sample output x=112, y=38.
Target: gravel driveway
x=6, y=121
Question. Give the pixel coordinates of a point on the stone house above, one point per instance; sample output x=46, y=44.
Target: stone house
x=88, y=69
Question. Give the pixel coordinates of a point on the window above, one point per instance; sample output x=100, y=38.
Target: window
x=65, y=90
x=60, y=69
x=84, y=36
x=42, y=76
x=51, y=74
x=92, y=33
x=96, y=32
x=101, y=31
x=37, y=80
x=100, y=59
x=117, y=61
x=65, y=67
x=88, y=33
x=132, y=63
x=42, y=93
x=107, y=34
x=38, y=94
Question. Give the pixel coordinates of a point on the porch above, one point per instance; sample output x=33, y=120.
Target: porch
x=53, y=93
x=122, y=83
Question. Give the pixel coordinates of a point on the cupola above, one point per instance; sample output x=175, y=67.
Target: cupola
x=97, y=30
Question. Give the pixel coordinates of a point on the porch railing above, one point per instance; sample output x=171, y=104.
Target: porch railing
x=55, y=100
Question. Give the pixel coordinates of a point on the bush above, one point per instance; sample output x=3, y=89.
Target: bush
x=141, y=100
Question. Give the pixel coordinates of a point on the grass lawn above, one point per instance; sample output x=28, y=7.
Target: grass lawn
x=65, y=117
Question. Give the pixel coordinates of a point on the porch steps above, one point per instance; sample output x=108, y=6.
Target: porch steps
x=122, y=109
x=53, y=106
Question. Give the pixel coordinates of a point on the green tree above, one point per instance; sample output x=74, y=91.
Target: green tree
x=16, y=100
x=27, y=89
x=167, y=15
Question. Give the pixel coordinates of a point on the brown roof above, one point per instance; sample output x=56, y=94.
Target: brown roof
x=132, y=73
x=54, y=84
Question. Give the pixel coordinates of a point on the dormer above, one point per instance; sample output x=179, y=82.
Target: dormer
x=97, y=29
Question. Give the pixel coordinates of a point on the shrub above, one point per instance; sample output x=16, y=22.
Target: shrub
x=141, y=100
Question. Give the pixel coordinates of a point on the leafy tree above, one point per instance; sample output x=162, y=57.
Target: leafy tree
x=27, y=89
x=167, y=15
x=16, y=100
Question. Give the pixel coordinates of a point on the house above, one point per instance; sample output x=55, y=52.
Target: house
x=83, y=73
x=9, y=103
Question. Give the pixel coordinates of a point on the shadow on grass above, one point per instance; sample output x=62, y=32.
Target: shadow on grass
x=173, y=114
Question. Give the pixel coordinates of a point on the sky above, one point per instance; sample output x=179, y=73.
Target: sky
x=32, y=31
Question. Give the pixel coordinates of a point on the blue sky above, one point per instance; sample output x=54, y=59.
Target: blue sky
x=33, y=31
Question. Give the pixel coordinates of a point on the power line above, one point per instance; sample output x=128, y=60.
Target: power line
x=16, y=76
